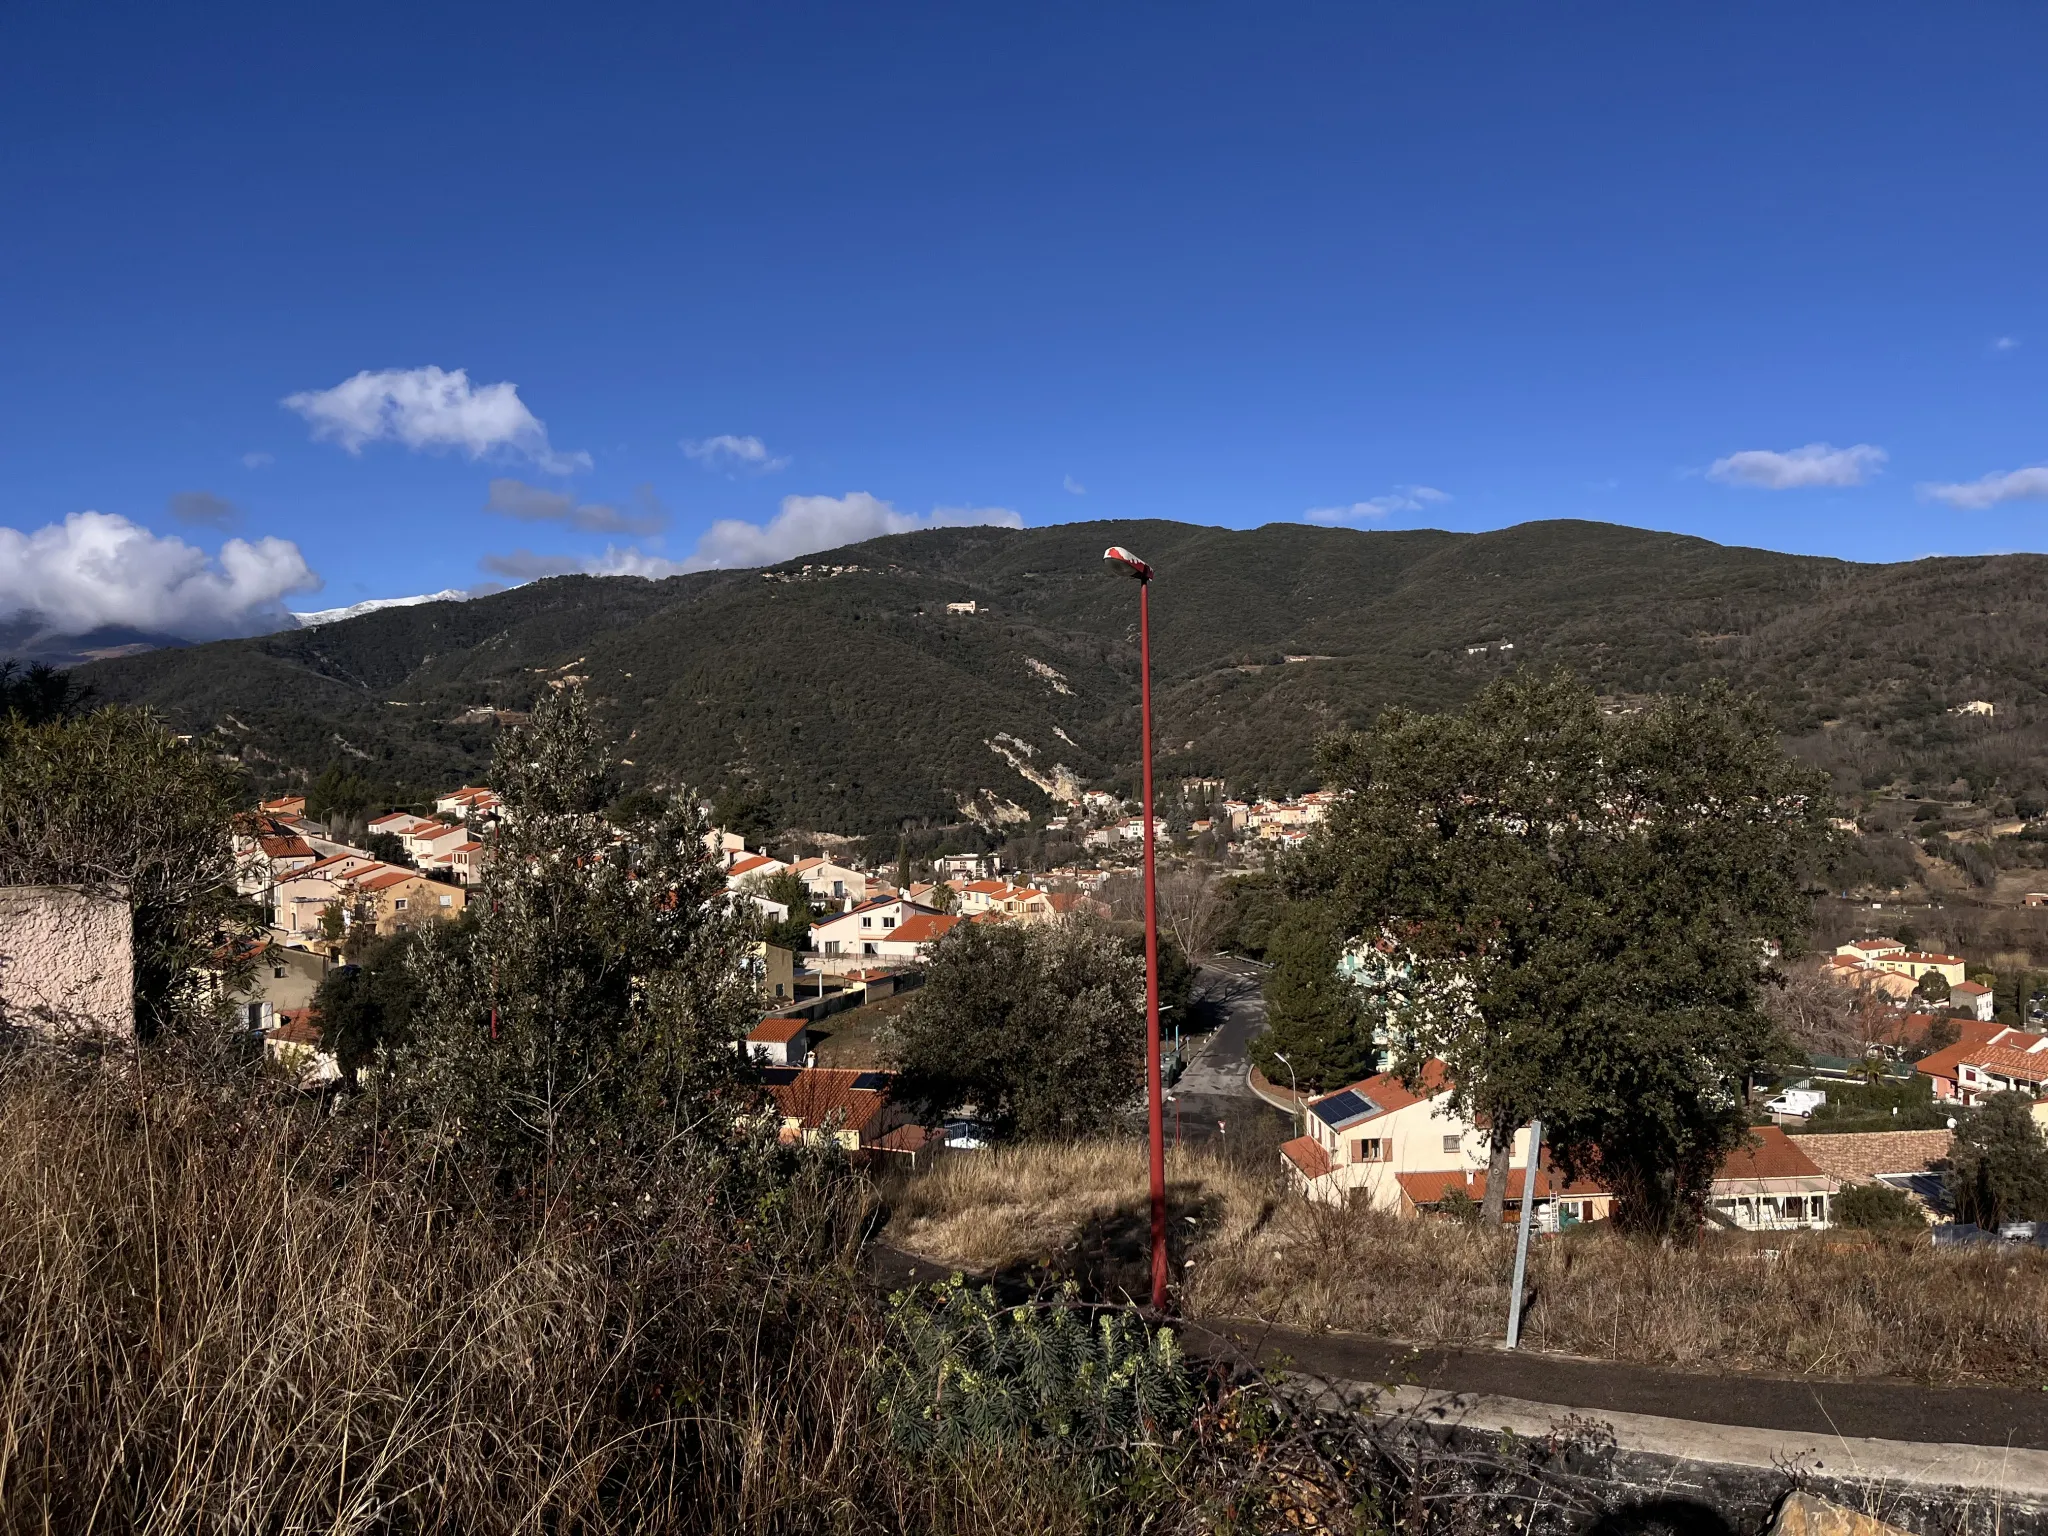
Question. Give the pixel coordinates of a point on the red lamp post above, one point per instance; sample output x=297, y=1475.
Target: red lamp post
x=1123, y=562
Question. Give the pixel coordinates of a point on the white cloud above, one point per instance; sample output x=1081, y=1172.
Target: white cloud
x=94, y=569
x=2008, y=485
x=427, y=408
x=1403, y=498
x=728, y=452
x=257, y=460
x=804, y=525
x=1072, y=486
x=525, y=565
x=536, y=504
x=2005, y=343
x=1817, y=464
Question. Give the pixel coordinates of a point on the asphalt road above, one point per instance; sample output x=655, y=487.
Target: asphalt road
x=1211, y=1093
x=1882, y=1410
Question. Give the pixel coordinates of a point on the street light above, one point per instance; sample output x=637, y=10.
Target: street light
x=1123, y=563
x=1293, y=1085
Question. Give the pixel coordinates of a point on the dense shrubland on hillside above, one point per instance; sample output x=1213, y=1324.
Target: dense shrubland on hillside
x=839, y=694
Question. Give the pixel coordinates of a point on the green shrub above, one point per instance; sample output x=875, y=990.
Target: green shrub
x=1876, y=1207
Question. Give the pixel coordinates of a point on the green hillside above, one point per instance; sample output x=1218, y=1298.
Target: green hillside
x=841, y=690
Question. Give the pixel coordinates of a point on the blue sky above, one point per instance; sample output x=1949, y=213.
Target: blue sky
x=1454, y=265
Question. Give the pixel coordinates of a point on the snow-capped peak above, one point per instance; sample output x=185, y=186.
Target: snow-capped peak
x=356, y=610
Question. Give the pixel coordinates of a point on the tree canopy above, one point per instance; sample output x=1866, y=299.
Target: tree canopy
x=1039, y=1028
x=1998, y=1164
x=115, y=802
x=1571, y=905
x=584, y=1022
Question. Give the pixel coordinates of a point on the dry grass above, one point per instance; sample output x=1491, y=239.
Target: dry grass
x=199, y=1332
x=1830, y=1305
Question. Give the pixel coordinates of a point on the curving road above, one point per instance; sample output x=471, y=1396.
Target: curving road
x=1212, y=1093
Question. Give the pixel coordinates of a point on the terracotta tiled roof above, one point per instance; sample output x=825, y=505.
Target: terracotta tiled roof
x=907, y=1138
x=1967, y=989
x=2022, y=1066
x=1768, y=1153
x=820, y=1094
x=749, y=865
x=1429, y=1187
x=388, y=879
x=1388, y=1092
x=300, y=1027
x=1307, y=1154
x=921, y=928
x=777, y=1031
x=1978, y=1036
x=1863, y=1156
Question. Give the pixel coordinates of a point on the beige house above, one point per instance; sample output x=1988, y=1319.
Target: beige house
x=1867, y=950
x=402, y=898
x=838, y=886
x=1916, y=965
x=775, y=968
x=1379, y=1143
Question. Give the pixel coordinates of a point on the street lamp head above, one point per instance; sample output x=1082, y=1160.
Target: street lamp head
x=1124, y=563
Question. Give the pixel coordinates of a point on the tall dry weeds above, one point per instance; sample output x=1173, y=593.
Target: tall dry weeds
x=1821, y=1304
x=200, y=1332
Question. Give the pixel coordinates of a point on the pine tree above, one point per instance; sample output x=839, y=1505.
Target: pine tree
x=1315, y=1017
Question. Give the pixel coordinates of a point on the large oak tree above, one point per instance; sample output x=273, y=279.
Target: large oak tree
x=1572, y=906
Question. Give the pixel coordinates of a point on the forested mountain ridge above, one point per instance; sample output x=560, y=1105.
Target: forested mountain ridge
x=840, y=689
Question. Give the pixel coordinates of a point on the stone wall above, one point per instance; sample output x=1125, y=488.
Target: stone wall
x=67, y=961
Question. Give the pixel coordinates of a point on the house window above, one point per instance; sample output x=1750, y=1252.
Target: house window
x=1795, y=1207
x=1370, y=1150
x=838, y=889
x=399, y=904
x=867, y=922
x=447, y=901
x=1453, y=1142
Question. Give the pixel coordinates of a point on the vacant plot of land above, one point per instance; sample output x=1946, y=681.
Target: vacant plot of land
x=1831, y=1305
x=854, y=1038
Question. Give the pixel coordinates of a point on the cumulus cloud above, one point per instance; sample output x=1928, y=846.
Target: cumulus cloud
x=803, y=526
x=1403, y=498
x=806, y=524
x=536, y=504
x=734, y=453
x=1817, y=464
x=1072, y=486
x=2005, y=343
x=257, y=460
x=2030, y=484
x=428, y=408
x=203, y=509
x=97, y=569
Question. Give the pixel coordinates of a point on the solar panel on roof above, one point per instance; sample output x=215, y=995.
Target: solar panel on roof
x=1343, y=1108
x=780, y=1077
x=871, y=1081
